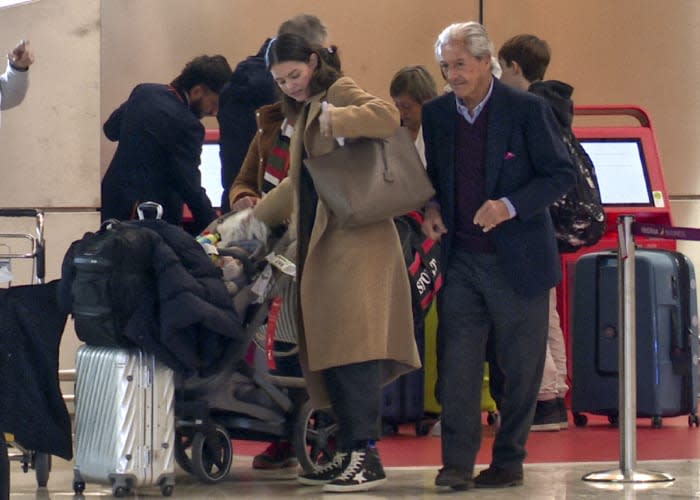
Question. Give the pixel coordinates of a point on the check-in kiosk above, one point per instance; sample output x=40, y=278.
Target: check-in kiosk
x=620, y=141
x=210, y=170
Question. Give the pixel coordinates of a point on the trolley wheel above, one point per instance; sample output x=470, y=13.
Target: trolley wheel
x=656, y=422
x=78, y=487
x=580, y=420
x=183, y=446
x=212, y=454
x=41, y=462
x=314, y=437
x=693, y=420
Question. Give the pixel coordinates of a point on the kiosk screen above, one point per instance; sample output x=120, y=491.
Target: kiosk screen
x=210, y=168
x=621, y=171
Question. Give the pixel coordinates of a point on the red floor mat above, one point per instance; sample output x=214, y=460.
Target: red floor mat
x=598, y=441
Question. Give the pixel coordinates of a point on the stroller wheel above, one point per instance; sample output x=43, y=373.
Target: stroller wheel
x=212, y=454
x=183, y=449
x=314, y=437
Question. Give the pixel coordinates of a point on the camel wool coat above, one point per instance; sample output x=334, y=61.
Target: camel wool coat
x=353, y=291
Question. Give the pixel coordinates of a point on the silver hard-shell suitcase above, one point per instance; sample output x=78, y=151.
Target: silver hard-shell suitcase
x=124, y=420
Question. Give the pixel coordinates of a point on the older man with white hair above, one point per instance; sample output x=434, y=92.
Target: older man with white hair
x=497, y=161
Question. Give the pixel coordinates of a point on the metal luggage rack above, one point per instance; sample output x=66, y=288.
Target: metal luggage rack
x=36, y=241
x=39, y=461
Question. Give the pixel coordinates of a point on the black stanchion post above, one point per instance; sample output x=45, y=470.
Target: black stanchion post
x=627, y=369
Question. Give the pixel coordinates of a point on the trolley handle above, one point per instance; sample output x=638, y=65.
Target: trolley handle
x=19, y=212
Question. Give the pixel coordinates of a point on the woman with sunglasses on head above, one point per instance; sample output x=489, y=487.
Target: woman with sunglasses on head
x=356, y=330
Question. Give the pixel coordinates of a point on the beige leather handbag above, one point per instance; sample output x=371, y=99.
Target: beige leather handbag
x=368, y=180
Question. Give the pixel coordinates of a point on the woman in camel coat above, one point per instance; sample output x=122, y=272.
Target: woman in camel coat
x=356, y=331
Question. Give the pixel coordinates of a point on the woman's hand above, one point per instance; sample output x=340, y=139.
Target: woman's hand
x=324, y=119
x=244, y=202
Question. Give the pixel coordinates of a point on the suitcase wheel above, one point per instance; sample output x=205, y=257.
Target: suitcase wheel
x=493, y=418
x=422, y=428
x=119, y=491
x=78, y=487
x=693, y=420
x=389, y=428
x=656, y=422
x=166, y=490
x=580, y=420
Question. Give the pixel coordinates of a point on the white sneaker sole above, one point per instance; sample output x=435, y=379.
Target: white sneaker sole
x=312, y=482
x=339, y=488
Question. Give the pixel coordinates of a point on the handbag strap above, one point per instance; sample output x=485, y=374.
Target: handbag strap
x=388, y=175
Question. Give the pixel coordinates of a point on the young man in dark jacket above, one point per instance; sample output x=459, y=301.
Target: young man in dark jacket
x=160, y=139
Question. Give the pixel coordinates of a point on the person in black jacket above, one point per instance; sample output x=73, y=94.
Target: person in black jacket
x=249, y=88
x=160, y=139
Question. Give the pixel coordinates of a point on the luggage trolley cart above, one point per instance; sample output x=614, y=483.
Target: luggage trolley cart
x=39, y=461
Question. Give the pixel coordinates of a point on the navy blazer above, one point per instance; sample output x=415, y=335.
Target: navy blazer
x=526, y=161
x=157, y=159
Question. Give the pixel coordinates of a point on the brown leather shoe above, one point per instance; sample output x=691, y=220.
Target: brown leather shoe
x=497, y=477
x=456, y=478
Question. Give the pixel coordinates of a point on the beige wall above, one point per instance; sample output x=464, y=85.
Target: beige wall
x=151, y=40
x=90, y=53
x=50, y=143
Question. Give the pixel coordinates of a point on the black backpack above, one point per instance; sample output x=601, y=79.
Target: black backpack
x=578, y=216
x=107, y=278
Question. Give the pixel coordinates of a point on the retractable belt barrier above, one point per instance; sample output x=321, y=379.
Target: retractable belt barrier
x=627, y=350
x=666, y=232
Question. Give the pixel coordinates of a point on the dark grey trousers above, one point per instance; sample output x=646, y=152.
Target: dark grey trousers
x=478, y=306
x=356, y=397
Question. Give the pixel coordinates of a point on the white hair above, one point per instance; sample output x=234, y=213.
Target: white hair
x=472, y=34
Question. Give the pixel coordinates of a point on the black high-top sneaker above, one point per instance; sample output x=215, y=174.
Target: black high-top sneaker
x=363, y=472
x=326, y=473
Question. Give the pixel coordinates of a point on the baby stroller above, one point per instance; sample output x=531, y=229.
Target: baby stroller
x=240, y=401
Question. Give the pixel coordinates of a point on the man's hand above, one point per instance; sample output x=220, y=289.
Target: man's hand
x=491, y=214
x=432, y=226
x=22, y=55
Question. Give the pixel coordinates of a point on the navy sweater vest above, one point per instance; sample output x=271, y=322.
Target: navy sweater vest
x=470, y=183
